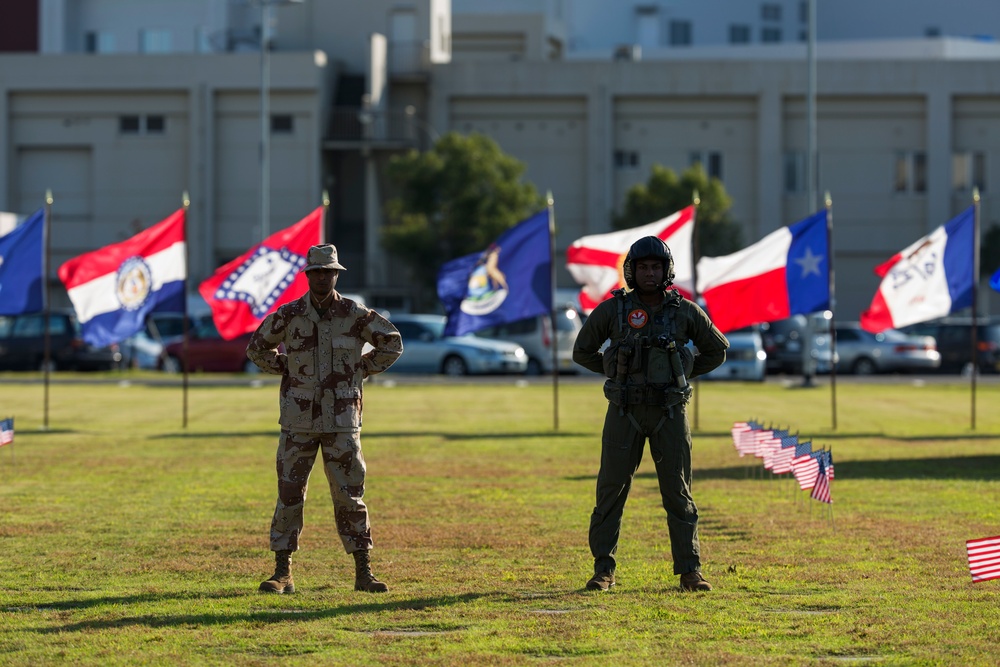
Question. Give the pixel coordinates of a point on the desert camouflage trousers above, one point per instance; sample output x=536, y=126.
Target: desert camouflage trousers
x=344, y=466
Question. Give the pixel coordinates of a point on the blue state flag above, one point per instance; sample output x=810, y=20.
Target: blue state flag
x=509, y=281
x=995, y=280
x=21, y=261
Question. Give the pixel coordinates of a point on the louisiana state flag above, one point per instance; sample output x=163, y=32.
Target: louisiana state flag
x=509, y=281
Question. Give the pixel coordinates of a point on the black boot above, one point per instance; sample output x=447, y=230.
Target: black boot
x=364, y=580
x=281, y=580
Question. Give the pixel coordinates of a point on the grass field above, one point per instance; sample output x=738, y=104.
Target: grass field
x=125, y=539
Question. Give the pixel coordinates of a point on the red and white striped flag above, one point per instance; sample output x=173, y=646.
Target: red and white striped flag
x=984, y=558
x=806, y=469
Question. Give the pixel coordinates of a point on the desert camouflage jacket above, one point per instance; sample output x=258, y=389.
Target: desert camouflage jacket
x=323, y=366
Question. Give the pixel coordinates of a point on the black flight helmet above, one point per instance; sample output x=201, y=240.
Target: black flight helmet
x=644, y=248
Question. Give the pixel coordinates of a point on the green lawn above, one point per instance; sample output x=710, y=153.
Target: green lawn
x=125, y=539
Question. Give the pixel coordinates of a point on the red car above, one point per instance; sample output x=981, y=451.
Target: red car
x=208, y=351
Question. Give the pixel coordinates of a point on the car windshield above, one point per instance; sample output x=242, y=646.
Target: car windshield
x=566, y=320
x=436, y=327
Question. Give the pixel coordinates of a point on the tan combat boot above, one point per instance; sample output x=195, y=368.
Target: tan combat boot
x=364, y=580
x=601, y=581
x=281, y=580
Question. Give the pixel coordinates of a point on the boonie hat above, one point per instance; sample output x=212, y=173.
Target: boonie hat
x=323, y=256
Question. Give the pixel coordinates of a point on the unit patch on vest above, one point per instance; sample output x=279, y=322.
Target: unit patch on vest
x=637, y=318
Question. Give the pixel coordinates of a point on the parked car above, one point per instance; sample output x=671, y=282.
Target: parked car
x=745, y=358
x=783, y=341
x=427, y=350
x=22, y=344
x=147, y=348
x=954, y=342
x=534, y=334
x=208, y=351
x=864, y=353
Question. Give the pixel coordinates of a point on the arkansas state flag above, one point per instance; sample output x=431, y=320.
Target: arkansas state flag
x=785, y=273
x=929, y=279
x=596, y=261
x=243, y=292
x=113, y=289
x=21, y=261
x=509, y=281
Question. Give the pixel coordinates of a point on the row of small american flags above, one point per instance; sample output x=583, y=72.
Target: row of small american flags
x=784, y=453
x=6, y=431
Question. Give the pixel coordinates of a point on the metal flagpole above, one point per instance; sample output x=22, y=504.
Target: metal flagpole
x=696, y=200
x=48, y=307
x=975, y=309
x=184, y=349
x=322, y=224
x=833, y=310
x=552, y=309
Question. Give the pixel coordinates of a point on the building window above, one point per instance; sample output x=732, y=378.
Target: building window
x=711, y=162
x=770, y=12
x=156, y=124
x=968, y=170
x=803, y=11
x=155, y=40
x=739, y=34
x=98, y=41
x=932, y=31
x=135, y=124
x=282, y=124
x=680, y=33
x=795, y=171
x=770, y=35
x=626, y=159
x=911, y=172
x=128, y=124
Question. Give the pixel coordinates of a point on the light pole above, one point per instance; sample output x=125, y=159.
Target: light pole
x=266, y=23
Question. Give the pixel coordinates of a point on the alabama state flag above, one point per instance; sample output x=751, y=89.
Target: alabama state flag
x=595, y=261
x=244, y=291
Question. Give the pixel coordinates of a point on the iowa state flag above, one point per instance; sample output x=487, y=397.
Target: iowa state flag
x=21, y=262
x=595, y=261
x=243, y=292
x=785, y=273
x=929, y=279
x=509, y=281
x=113, y=289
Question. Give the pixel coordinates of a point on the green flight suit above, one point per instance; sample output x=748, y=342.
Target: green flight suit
x=644, y=403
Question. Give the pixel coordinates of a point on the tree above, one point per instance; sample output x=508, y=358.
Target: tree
x=453, y=200
x=664, y=193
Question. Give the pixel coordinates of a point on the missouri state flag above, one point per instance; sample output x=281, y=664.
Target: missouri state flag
x=244, y=291
x=114, y=288
x=21, y=267
x=510, y=280
x=785, y=273
x=595, y=261
x=928, y=279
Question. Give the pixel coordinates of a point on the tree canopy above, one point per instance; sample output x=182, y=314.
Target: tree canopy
x=453, y=200
x=664, y=193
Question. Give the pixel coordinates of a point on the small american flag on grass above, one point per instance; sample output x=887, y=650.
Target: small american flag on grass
x=6, y=431
x=984, y=558
x=821, y=488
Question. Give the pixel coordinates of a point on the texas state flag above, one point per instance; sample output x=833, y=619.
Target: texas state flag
x=785, y=273
x=243, y=292
x=595, y=261
x=929, y=279
x=113, y=289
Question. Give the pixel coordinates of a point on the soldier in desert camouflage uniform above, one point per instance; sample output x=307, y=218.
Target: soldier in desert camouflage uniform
x=321, y=403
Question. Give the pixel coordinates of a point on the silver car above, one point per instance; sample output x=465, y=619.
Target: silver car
x=535, y=336
x=427, y=350
x=864, y=353
x=745, y=358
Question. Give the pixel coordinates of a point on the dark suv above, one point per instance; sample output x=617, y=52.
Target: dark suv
x=22, y=344
x=954, y=342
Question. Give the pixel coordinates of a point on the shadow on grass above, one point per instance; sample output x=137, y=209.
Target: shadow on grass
x=381, y=435
x=986, y=468
x=260, y=616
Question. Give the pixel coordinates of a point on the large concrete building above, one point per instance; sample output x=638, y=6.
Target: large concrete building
x=123, y=110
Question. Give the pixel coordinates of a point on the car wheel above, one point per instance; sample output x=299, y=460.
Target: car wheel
x=250, y=368
x=534, y=367
x=51, y=366
x=864, y=366
x=171, y=364
x=454, y=366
